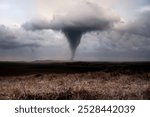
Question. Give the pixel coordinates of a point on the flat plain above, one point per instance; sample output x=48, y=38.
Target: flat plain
x=61, y=80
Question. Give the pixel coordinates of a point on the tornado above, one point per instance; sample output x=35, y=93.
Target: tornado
x=76, y=22
x=73, y=37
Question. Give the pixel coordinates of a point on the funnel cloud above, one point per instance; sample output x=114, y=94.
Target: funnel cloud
x=94, y=30
x=73, y=37
x=74, y=23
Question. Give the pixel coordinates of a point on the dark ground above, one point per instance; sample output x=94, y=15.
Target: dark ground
x=26, y=68
x=74, y=80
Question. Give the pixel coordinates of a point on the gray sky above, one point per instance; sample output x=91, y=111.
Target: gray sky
x=123, y=34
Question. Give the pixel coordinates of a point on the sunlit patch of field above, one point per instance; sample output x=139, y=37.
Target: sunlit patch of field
x=64, y=86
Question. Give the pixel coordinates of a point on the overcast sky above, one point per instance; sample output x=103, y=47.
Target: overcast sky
x=32, y=29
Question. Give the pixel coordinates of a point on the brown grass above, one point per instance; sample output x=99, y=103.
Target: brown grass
x=90, y=85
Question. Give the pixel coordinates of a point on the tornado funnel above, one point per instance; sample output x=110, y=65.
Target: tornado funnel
x=73, y=23
x=73, y=36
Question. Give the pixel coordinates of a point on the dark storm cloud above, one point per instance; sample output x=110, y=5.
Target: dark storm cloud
x=37, y=25
x=133, y=36
x=12, y=38
x=141, y=26
x=13, y=45
x=75, y=23
x=128, y=41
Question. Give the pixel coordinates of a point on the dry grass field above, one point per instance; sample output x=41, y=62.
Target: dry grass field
x=74, y=80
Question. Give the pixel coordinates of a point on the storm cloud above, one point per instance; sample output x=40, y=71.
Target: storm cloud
x=74, y=23
x=133, y=36
x=44, y=29
x=11, y=38
x=141, y=25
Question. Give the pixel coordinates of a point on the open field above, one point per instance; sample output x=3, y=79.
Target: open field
x=74, y=80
